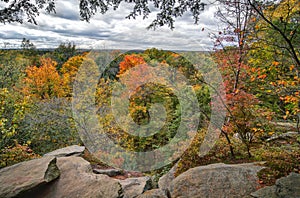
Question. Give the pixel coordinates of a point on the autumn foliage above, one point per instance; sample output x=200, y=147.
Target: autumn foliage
x=130, y=61
x=43, y=82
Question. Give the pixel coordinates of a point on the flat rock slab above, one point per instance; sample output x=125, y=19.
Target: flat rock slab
x=23, y=177
x=78, y=180
x=216, y=181
x=133, y=187
x=67, y=151
x=108, y=172
x=285, y=187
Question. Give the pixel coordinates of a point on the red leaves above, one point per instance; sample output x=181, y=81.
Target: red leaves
x=130, y=61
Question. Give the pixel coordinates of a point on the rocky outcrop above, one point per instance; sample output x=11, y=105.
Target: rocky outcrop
x=216, y=180
x=73, y=176
x=78, y=180
x=132, y=187
x=21, y=178
x=73, y=150
x=286, y=187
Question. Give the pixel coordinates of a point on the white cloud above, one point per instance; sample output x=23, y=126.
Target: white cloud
x=111, y=30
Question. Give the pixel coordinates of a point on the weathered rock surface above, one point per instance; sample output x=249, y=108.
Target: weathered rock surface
x=73, y=150
x=154, y=193
x=216, y=180
x=286, y=187
x=133, y=187
x=20, y=178
x=78, y=180
x=73, y=176
x=166, y=179
x=108, y=172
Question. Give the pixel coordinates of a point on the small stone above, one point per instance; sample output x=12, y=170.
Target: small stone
x=132, y=187
x=108, y=172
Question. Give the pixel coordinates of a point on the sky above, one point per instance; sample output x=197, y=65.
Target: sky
x=111, y=30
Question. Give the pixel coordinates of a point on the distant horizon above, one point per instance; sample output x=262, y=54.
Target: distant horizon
x=86, y=49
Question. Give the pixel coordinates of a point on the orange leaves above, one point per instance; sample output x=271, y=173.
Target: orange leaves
x=292, y=67
x=290, y=99
x=263, y=76
x=43, y=82
x=130, y=61
x=136, y=75
x=175, y=55
x=275, y=63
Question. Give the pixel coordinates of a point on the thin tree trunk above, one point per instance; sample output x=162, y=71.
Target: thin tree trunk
x=229, y=144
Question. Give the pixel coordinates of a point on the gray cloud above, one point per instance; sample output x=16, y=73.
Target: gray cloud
x=111, y=30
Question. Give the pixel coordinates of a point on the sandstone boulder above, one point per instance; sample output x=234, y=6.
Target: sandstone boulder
x=78, y=180
x=286, y=187
x=21, y=178
x=216, y=180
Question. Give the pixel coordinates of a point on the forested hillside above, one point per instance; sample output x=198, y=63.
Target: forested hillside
x=257, y=55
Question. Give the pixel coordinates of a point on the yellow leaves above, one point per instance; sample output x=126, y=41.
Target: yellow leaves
x=69, y=70
x=197, y=87
x=43, y=82
x=72, y=65
x=271, y=133
x=292, y=67
x=293, y=83
x=287, y=113
x=284, y=10
x=257, y=130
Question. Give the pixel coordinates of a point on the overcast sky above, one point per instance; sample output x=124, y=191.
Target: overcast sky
x=111, y=31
